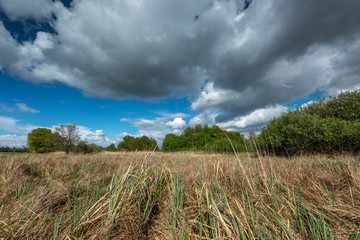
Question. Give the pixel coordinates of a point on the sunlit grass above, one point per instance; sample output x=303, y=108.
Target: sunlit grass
x=178, y=196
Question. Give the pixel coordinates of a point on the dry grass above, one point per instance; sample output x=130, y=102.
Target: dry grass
x=178, y=196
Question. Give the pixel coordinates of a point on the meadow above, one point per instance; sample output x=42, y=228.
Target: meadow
x=154, y=195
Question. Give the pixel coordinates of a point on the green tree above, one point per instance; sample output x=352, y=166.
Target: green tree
x=111, y=148
x=126, y=143
x=143, y=143
x=40, y=140
x=70, y=136
x=83, y=147
x=202, y=138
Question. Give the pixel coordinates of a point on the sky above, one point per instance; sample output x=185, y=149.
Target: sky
x=154, y=67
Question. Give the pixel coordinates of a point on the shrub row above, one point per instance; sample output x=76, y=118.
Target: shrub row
x=324, y=127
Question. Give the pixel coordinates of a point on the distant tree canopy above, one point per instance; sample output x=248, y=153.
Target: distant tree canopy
x=14, y=149
x=211, y=139
x=144, y=143
x=320, y=127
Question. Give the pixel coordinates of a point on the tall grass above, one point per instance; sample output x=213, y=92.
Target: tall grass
x=178, y=196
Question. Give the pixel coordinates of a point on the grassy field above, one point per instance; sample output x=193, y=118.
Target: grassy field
x=178, y=196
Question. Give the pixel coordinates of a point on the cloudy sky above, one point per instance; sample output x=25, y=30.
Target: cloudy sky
x=144, y=67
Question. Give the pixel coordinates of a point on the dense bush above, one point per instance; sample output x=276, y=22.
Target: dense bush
x=322, y=127
x=143, y=143
x=224, y=145
x=210, y=139
x=85, y=148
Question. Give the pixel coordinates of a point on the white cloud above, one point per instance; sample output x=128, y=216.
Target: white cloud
x=24, y=108
x=13, y=140
x=11, y=125
x=177, y=123
x=257, y=118
x=206, y=117
x=98, y=136
x=306, y=104
x=211, y=97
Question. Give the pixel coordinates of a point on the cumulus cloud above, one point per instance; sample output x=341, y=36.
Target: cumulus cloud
x=11, y=125
x=270, y=54
x=177, y=123
x=24, y=108
x=206, y=117
x=98, y=136
x=255, y=119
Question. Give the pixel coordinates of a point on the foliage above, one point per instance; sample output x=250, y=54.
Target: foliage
x=111, y=148
x=173, y=142
x=85, y=148
x=14, y=149
x=144, y=143
x=42, y=140
x=70, y=136
x=322, y=127
x=95, y=148
x=211, y=139
x=224, y=145
x=345, y=106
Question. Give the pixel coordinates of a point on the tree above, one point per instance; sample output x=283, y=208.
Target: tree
x=126, y=143
x=203, y=138
x=111, y=148
x=83, y=147
x=70, y=136
x=40, y=140
x=144, y=143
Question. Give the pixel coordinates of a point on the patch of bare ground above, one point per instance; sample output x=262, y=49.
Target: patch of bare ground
x=148, y=195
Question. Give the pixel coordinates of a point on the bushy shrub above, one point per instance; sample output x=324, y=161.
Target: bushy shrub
x=322, y=127
x=225, y=145
x=85, y=148
x=204, y=138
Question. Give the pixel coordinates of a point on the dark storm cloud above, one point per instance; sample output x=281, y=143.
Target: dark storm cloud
x=253, y=54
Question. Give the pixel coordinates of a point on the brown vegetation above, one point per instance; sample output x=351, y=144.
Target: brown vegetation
x=178, y=196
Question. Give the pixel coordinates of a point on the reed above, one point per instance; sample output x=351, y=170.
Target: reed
x=147, y=195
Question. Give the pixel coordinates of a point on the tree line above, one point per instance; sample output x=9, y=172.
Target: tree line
x=198, y=138
x=66, y=138
x=325, y=127
x=14, y=149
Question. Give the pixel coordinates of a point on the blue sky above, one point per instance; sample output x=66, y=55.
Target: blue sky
x=155, y=67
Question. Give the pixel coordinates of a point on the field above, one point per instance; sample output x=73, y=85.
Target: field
x=178, y=196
